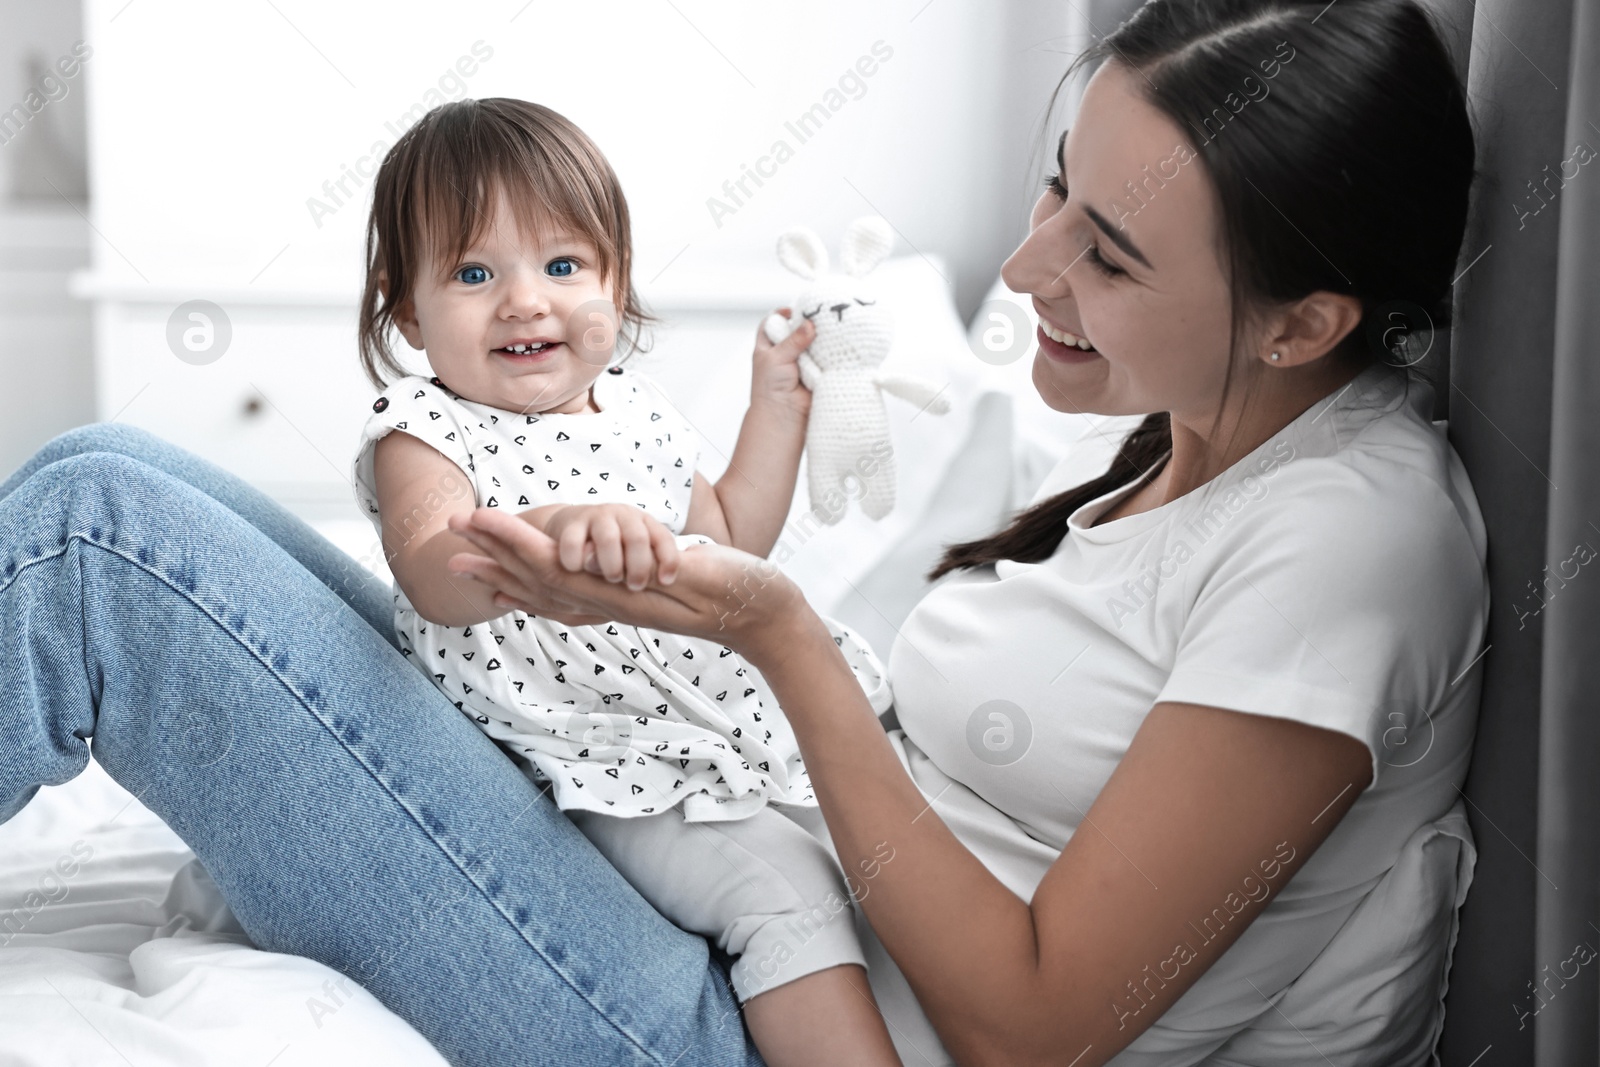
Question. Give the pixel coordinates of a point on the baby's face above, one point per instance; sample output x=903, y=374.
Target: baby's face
x=520, y=322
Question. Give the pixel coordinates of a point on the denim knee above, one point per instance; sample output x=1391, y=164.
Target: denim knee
x=99, y=437
x=95, y=437
x=83, y=484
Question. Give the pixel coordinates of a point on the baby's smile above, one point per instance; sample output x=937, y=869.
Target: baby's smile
x=526, y=351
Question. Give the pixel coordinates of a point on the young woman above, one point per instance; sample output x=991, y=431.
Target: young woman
x=1149, y=765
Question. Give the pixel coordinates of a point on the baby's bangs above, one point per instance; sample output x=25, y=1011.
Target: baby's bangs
x=550, y=190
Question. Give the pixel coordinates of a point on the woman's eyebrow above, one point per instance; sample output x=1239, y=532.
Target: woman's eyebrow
x=1117, y=237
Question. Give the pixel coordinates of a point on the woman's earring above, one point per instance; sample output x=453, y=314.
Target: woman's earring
x=1276, y=356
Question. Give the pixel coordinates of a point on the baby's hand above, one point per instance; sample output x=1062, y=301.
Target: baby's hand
x=776, y=372
x=615, y=540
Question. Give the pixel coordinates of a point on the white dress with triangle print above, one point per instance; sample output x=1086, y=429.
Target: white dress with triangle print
x=620, y=720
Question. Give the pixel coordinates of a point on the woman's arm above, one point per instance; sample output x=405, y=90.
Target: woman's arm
x=749, y=504
x=1209, y=809
x=1204, y=799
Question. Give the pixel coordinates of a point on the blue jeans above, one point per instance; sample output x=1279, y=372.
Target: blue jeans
x=239, y=675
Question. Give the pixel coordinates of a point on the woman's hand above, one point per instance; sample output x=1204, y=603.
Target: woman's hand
x=718, y=593
x=776, y=373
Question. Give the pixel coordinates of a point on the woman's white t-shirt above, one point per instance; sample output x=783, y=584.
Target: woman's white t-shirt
x=1333, y=576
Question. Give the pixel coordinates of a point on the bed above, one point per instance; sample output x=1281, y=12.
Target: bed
x=117, y=947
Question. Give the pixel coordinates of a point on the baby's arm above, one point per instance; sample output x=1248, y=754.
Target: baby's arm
x=623, y=541
x=749, y=504
x=410, y=476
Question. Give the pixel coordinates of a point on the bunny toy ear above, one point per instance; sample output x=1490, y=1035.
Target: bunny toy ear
x=866, y=244
x=802, y=251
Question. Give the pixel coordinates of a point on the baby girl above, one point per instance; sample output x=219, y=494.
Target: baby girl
x=499, y=245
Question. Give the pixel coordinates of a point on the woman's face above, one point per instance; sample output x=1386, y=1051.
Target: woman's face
x=1127, y=256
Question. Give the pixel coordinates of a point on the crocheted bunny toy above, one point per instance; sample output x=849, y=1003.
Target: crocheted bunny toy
x=847, y=438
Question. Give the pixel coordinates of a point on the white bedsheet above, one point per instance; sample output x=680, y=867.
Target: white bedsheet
x=116, y=948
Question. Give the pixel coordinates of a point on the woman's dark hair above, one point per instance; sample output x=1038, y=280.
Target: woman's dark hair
x=1350, y=174
x=435, y=195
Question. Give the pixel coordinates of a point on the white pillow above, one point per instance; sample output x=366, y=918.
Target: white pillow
x=830, y=562
x=1337, y=1007
x=974, y=468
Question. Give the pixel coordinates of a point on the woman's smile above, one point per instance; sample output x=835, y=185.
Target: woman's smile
x=1064, y=346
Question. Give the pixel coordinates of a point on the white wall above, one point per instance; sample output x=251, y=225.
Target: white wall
x=216, y=123
x=214, y=129
x=213, y=124
x=44, y=332
x=231, y=147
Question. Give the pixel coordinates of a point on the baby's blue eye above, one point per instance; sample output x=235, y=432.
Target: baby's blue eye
x=564, y=267
x=472, y=275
